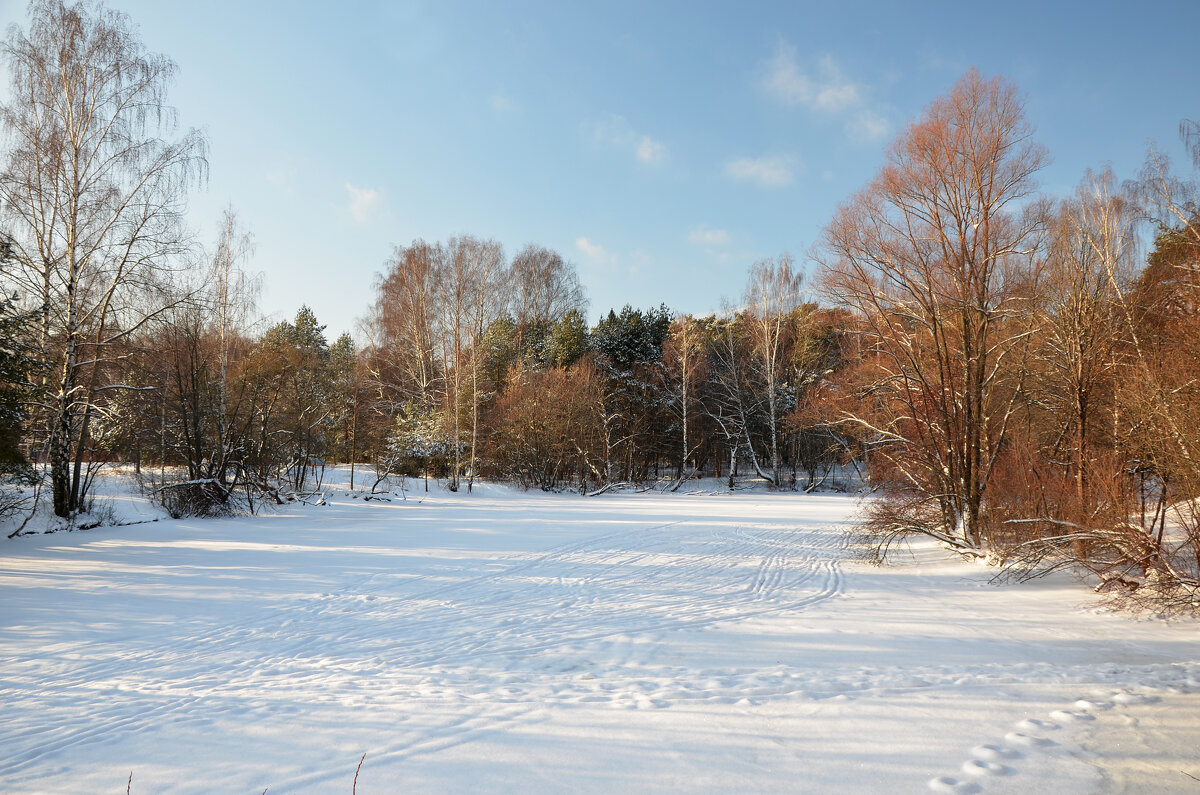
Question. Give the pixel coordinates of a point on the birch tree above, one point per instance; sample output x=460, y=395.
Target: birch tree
x=400, y=328
x=467, y=288
x=93, y=191
x=772, y=295
x=487, y=278
x=544, y=289
x=683, y=355
x=233, y=301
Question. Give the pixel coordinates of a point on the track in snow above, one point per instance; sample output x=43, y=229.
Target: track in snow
x=588, y=603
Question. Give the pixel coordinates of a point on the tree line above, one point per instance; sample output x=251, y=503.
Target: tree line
x=1013, y=374
x=472, y=366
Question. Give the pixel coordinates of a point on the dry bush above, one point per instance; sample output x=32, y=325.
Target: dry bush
x=195, y=498
x=545, y=427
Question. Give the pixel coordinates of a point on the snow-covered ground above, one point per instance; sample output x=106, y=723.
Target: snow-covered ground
x=513, y=642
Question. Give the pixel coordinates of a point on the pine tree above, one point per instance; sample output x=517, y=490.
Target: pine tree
x=568, y=340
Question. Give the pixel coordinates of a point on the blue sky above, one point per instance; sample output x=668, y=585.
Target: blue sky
x=661, y=147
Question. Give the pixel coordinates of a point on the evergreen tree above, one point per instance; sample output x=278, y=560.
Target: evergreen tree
x=17, y=365
x=568, y=340
x=632, y=337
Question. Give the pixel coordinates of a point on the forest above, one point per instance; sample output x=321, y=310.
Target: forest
x=1014, y=374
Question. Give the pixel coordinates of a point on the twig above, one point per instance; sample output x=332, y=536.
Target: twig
x=129, y=783
x=354, y=786
x=1189, y=775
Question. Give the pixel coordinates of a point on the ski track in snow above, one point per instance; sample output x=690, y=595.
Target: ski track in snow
x=470, y=640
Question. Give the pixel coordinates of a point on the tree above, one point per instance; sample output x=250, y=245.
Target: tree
x=18, y=367
x=1159, y=395
x=733, y=403
x=821, y=351
x=772, y=295
x=568, y=339
x=936, y=257
x=311, y=396
x=1089, y=265
x=191, y=356
x=629, y=351
x=1160, y=398
x=544, y=287
x=232, y=299
x=94, y=196
x=470, y=282
x=400, y=327
x=684, y=360
x=415, y=445
x=344, y=390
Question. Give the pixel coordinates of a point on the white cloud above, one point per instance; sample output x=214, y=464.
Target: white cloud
x=784, y=79
x=828, y=90
x=362, y=201
x=616, y=132
x=867, y=125
x=706, y=236
x=649, y=150
x=766, y=172
x=501, y=104
x=834, y=91
x=593, y=251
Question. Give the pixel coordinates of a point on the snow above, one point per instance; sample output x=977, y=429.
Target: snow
x=506, y=641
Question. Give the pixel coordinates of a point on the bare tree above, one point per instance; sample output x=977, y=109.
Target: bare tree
x=935, y=255
x=467, y=285
x=400, y=328
x=772, y=296
x=233, y=298
x=1160, y=394
x=733, y=402
x=544, y=286
x=94, y=197
x=1089, y=265
x=683, y=355
x=488, y=300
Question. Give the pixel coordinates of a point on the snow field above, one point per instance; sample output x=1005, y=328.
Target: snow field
x=503, y=642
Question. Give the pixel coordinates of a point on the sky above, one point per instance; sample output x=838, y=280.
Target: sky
x=661, y=147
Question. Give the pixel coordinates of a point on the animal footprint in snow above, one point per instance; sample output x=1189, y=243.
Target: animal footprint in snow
x=1033, y=725
x=949, y=784
x=1093, y=706
x=994, y=753
x=982, y=767
x=1023, y=740
x=1069, y=716
x=1133, y=698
